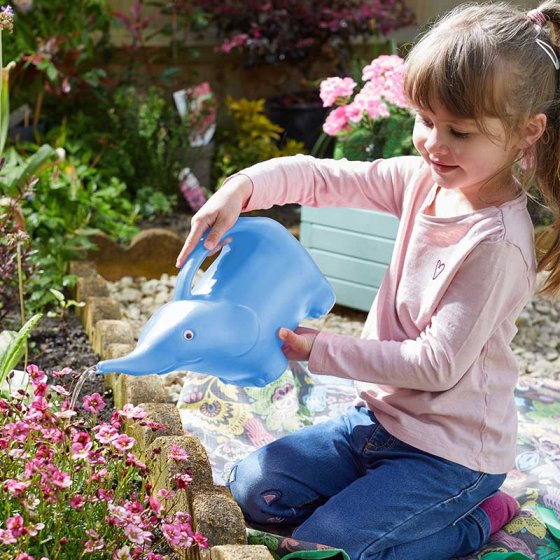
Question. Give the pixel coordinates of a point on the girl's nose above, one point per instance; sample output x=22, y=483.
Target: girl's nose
x=435, y=144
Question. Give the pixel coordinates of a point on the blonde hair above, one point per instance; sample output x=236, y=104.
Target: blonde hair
x=483, y=60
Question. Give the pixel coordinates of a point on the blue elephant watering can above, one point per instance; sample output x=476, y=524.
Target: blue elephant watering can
x=227, y=323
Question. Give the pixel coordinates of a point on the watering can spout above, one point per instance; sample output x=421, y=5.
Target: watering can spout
x=138, y=362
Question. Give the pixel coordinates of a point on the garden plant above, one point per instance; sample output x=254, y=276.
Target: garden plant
x=376, y=122
x=71, y=485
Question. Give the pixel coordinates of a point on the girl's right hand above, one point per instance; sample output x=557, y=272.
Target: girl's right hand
x=220, y=212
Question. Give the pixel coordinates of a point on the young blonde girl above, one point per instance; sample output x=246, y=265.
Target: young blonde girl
x=413, y=470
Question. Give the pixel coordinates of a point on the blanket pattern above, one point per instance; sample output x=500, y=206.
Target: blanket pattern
x=232, y=421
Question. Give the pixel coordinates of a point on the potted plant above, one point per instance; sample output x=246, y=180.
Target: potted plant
x=353, y=247
x=299, y=34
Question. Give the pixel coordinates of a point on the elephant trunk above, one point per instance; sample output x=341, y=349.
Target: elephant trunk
x=139, y=362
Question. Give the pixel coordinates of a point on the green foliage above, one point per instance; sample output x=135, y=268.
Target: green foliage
x=251, y=139
x=150, y=141
x=13, y=345
x=68, y=202
x=379, y=138
x=56, y=48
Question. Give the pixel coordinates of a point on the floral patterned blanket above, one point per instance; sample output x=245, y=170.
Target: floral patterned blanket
x=232, y=421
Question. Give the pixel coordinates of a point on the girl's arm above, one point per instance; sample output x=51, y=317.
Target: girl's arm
x=377, y=185
x=491, y=287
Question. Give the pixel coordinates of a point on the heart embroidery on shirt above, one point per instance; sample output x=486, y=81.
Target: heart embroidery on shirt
x=439, y=269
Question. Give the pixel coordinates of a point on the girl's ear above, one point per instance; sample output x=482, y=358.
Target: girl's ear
x=533, y=130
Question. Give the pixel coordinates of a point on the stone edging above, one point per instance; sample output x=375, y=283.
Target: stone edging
x=213, y=510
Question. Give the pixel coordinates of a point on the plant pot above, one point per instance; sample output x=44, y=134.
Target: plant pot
x=300, y=114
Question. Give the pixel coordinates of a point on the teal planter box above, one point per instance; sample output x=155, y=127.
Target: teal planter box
x=352, y=248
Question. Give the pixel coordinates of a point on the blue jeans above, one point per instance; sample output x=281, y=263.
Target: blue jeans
x=349, y=484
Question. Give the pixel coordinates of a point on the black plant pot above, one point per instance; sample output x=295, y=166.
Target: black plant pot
x=300, y=114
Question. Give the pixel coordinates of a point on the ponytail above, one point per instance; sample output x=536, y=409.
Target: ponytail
x=547, y=168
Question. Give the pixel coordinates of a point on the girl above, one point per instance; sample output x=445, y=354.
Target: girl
x=413, y=470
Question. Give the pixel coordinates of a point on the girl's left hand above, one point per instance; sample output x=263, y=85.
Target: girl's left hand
x=297, y=344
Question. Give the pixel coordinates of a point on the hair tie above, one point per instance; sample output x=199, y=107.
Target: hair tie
x=537, y=17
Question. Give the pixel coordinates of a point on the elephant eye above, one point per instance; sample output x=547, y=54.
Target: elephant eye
x=188, y=334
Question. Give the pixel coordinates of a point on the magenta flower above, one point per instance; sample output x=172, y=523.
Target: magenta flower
x=182, y=480
x=94, y=403
x=15, y=525
x=77, y=502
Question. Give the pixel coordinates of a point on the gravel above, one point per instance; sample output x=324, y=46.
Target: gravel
x=536, y=345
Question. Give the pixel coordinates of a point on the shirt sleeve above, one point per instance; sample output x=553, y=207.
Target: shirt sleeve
x=491, y=287
x=377, y=185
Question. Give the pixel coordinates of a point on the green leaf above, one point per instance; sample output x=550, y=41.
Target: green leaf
x=58, y=295
x=15, y=349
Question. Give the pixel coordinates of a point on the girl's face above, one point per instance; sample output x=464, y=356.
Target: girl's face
x=460, y=156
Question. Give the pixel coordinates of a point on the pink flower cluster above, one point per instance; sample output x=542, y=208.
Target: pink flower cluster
x=69, y=484
x=383, y=84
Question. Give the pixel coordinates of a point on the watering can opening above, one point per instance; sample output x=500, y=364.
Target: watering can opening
x=226, y=323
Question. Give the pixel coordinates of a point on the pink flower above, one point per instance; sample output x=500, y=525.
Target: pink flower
x=201, y=540
x=132, y=412
x=176, y=536
x=123, y=442
x=15, y=525
x=96, y=542
x=182, y=481
x=77, y=502
x=165, y=494
x=62, y=373
x=123, y=553
x=6, y=537
x=15, y=488
x=136, y=534
x=105, y=433
x=35, y=374
x=18, y=431
x=177, y=453
x=23, y=556
x=60, y=390
x=94, y=403
x=336, y=121
x=335, y=90
x=59, y=478
x=236, y=41
x=155, y=505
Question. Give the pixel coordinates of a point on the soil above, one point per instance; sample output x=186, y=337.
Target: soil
x=59, y=342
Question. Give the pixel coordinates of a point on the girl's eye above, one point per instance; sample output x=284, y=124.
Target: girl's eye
x=460, y=135
x=424, y=121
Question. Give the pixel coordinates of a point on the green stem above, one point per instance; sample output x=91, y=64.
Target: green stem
x=20, y=289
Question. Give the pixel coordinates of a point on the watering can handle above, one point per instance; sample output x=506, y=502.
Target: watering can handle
x=192, y=264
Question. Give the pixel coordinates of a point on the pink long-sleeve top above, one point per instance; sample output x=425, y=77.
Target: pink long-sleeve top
x=434, y=361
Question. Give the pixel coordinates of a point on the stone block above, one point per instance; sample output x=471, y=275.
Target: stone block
x=82, y=268
x=163, y=468
x=218, y=517
x=111, y=331
x=240, y=552
x=91, y=286
x=165, y=414
x=151, y=253
x=141, y=389
x=116, y=350
x=96, y=309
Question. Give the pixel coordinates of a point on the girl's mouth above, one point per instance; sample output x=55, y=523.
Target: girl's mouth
x=442, y=168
